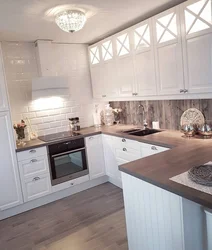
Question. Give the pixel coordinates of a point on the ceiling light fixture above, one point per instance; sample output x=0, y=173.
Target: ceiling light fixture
x=70, y=20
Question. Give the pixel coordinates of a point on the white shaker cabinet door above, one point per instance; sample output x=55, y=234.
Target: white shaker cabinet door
x=168, y=52
x=197, y=45
x=3, y=91
x=10, y=194
x=144, y=59
x=97, y=78
x=110, y=158
x=95, y=156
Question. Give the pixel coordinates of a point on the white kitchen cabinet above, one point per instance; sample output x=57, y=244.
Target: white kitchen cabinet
x=144, y=59
x=124, y=64
x=3, y=92
x=208, y=214
x=36, y=187
x=196, y=20
x=109, y=156
x=95, y=156
x=97, y=76
x=148, y=149
x=9, y=178
x=159, y=220
x=168, y=52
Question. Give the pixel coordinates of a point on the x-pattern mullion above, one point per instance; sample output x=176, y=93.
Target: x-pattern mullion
x=197, y=16
x=142, y=36
x=94, y=55
x=107, y=50
x=166, y=28
x=123, y=44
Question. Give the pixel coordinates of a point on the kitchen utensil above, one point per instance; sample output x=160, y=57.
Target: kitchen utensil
x=192, y=116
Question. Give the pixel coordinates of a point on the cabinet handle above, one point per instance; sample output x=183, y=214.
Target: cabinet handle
x=36, y=179
x=136, y=93
x=103, y=95
x=154, y=148
x=123, y=140
x=182, y=91
x=91, y=138
x=71, y=184
x=33, y=160
x=124, y=149
x=32, y=151
x=185, y=91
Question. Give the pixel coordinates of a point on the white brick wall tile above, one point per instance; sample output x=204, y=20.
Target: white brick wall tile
x=36, y=121
x=60, y=117
x=29, y=115
x=19, y=78
x=48, y=119
x=66, y=110
x=43, y=126
x=65, y=123
x=54, y=112
x=50, y=131
x=42, y=113
x=55, y=124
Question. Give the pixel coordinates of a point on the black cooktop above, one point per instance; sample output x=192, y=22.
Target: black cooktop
x=58, y=136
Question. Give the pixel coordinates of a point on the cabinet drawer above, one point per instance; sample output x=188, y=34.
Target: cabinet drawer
x=122, y=142
x=127, y=154
x=70, y=183
x=34, y=166
x=148, y=149
x=32, y=153
x=36, y=187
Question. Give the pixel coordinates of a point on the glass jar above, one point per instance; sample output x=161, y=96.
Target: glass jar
x=108, y=115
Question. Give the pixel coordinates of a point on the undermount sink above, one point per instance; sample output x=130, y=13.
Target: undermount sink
x=140, y=132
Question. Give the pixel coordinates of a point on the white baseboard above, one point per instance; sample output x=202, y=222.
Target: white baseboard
x=115, y=182
x=52, y=197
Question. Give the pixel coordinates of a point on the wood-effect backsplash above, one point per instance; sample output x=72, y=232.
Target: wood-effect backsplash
x=167, y=112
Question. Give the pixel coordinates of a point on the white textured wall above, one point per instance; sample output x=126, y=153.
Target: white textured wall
x=50, y=116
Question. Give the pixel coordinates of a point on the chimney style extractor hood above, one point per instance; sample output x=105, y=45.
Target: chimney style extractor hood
x=47, y=86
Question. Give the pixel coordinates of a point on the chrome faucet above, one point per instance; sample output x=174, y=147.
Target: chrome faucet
x=145, y=124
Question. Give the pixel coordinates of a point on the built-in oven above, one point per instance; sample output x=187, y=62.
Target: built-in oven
x=67, y=160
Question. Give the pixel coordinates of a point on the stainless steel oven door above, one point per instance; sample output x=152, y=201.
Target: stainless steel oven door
x=68, y=165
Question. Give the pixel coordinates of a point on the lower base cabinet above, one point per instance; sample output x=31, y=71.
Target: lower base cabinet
x=208, y=214
x=159, y=220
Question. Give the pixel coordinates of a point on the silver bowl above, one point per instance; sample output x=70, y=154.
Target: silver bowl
x=205, y=130
x=188, y=130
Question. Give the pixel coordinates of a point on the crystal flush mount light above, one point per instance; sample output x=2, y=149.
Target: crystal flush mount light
x=70, y=20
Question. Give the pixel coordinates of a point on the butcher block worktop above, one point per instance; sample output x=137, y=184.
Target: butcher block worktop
x=158, y=169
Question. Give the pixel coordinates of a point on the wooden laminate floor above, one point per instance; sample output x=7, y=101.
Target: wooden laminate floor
x=91, y=220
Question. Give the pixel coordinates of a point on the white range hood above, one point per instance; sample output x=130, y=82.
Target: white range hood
x=48, y=84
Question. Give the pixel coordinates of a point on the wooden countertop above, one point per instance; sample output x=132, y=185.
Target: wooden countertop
x=158, y=169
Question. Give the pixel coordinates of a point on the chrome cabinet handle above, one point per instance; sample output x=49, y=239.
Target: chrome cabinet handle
x=136, y=93
x=36, y=179
x=32, y=151
x=123, y=140
x=33, y=160
x=182, y=91
x=154, y=148
x=71, y=184
x=124, y=149
x=91, y=138
x=185, y=90
x=103, y=95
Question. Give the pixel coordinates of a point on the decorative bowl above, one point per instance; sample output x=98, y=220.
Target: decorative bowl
x=188, y=130
x=205, y=130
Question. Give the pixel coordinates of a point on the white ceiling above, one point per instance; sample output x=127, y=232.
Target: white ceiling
x=29, y=20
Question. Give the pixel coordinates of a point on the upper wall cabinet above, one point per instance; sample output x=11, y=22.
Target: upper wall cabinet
x=144, y=61
x=168, y=52
x=3, y=93
x=124, y=62
x=197, y=45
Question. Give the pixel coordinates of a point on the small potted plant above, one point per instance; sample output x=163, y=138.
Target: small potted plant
x=19, y=129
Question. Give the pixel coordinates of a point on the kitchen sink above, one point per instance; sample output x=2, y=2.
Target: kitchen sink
x=140, y=132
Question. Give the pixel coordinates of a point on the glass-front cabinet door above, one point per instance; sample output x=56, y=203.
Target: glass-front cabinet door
x=197, y=45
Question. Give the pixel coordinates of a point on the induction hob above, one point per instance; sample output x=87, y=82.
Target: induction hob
x=58, y=136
